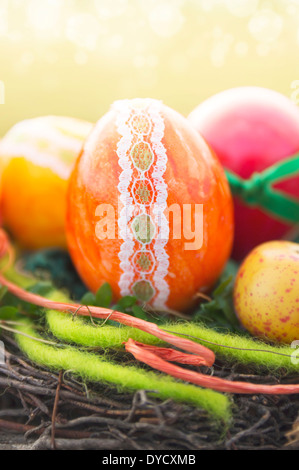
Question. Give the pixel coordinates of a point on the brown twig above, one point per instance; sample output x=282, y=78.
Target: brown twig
x=121, y=424
x=206, y=297
x=55, y=409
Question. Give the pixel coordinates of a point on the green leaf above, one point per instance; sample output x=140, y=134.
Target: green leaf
x=41, y=288
x=3, y=291
x=139, y=313
x=231, y=269
x=8, y=313
x=88, y=299
x=127, y=302
x=222, y=287
x=114, y=323
x=104, y=296
x=219, y=313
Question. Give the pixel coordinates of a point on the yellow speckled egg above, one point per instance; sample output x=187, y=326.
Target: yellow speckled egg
x=266, y=291
x=37, y=156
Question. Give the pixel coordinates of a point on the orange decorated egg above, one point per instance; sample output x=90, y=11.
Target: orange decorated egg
x=149, y=209
x=37, y=157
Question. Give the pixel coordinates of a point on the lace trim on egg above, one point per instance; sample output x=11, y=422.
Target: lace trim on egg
x=160, y=206
x=143, y=226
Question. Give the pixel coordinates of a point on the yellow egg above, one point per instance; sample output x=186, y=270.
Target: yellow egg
x=37, y=157
x=266, y=291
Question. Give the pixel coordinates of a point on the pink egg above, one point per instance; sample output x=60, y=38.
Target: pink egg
x=250, y=129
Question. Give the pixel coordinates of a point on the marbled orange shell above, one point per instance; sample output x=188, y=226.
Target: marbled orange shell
x=193, y=176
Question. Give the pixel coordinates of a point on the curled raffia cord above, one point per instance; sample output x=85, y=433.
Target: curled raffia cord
x=158, y=359
x=98, y=312
x=103, y=313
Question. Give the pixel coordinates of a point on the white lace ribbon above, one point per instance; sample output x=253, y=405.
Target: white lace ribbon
x=143, y=159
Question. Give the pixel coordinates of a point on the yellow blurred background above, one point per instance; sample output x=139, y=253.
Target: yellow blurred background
x=75, y=57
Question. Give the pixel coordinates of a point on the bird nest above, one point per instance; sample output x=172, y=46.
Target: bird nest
x=40, y=409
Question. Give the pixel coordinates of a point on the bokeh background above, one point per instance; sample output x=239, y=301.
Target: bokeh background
x=75, y=57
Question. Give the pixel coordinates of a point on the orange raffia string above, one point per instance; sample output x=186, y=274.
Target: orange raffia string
x=207, y=356
x=154, y=356
x=158, y=359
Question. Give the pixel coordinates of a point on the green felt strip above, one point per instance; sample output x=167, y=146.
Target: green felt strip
x=80, y=332
x=99, y=368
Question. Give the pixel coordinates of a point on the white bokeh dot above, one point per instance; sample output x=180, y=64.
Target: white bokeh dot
x=241, y=49
x=44, y=15
x=263, y=49
x=51, y=57
x=15, y=35
x=3, y=20
x=27, y=58
x=292, y=10
x=114, y=42
x=81, y=57
x=139, y=61
x=152, y=61
x=179, y=63
x=217, y=32
x=242, y=8
x=208, y=5
x=265, y=25
x=83, y=30
x=221, y=49
x=166, y=19
x=109, y=8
